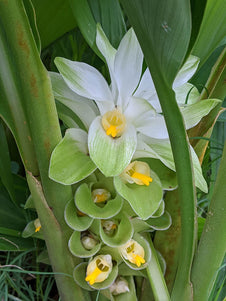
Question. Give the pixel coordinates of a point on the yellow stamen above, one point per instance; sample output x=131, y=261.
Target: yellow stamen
x=100, y=198
x=114, y=123
x=91, y=278
x=138, y=259
x=145, y=179
x=100, y=195
x=112, y=131
x=37, y=229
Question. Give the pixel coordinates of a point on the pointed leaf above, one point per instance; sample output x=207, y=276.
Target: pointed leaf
x=70, y=162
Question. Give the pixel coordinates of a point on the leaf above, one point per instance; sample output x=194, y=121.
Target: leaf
x=144, y=200
x=10, y=243
x=70, y=162
x=212, y=30
x=110, y=16
x=5, y=164
x=60, y=14
x=163, y=32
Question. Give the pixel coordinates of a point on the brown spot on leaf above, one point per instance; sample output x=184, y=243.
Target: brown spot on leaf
x=22, y=41
x=34, y=88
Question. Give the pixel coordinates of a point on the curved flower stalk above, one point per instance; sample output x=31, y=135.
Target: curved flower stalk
x=128, y=111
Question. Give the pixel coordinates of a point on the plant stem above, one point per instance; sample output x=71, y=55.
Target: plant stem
x=156, y=277
x=212, y=245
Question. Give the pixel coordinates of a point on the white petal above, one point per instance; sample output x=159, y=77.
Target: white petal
x=83, y=107
x=146, y=86
x=128, y=67
x=155, y=127
x=108, y=52
x=187, y=93
x=187, y=71
x=154, y=148
x=86, y=81
x=139, y=112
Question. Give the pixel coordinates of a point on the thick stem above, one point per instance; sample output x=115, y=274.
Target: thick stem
x=156, y=277
x=212, y=245
x=60, y=257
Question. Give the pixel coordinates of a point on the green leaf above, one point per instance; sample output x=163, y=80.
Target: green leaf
x=11, y=243
x=77, y=249
x=212, y=30
x=123, y=233
x=111, y=155
x=5, y=164
x=144, y=200
x=32, y=20
x=85, y=203
x=109, y=15
x=60, y=14
x=79, y=275
x=163, y=31
x=70, y=162
x=76, y=222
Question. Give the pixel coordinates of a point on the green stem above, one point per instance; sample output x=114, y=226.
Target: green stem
x=156, y=277
x=61, y=259
x=212, y=245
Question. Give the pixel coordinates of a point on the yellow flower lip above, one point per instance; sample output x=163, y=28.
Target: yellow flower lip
x=133, y=252
x=114, y=123
x=98, y=269
x=137, y=172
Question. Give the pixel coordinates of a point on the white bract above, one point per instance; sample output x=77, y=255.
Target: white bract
x=127, y=110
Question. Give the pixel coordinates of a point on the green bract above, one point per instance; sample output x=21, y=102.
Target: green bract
x=85, y=203
x=75, y=220
x=144, y=200
x=70, y=161
x=123, y=232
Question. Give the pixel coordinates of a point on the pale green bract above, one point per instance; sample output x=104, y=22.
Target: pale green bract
x=79, y=84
